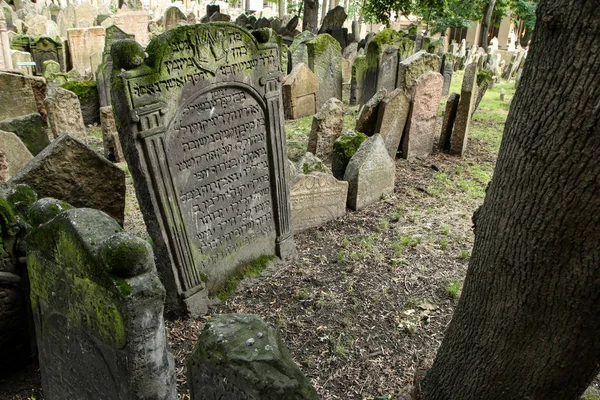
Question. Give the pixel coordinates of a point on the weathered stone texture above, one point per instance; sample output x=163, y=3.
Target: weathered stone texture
x=391, y=119
x=110, y=136
x=325, y=60
x=300, y=92
x=370, y=174
x=357, y=80
x=367, y=116
x=468, y=94
x=448, y=121
x=343, y=149
x=64, y=113
x=17, y=96
x=317, y=198
x=17, y=154
x=30, y=129
x=327, y=126
x=413, y=67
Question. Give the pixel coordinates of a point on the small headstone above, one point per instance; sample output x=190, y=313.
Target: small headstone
x=468, y=95
x=447, y=70
x=134, y=23
x=311, y=163
x=350, y=52
x=411, y=69
x=316, y=199
x=17, y=154
x=64, y=113
x=391, y=119
x=83, y=42
x=327, y=126
x=334, y=19
x=300, y=92
x=242, y=350
x=16, y=87
x=346, y=72
x=370, y=174
x=388, y=69
x=30, y=129
x=89, y=101
x=213, y=190
x=110, y=136
x=298, y=52
x=69, y=170
x=343, y=149
x=98, y=308
x=419, y=133
x=357, y=80
x=242, y=20
x=448, y=122
x=325, y=60
x=367, y=116
x=292, y=24
x=173, y=18
x=218, y=17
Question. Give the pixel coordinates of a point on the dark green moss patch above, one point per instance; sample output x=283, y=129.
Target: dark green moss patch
x=83, y=89
x=252, y=268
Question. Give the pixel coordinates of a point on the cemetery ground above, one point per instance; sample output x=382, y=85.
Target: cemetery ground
x=370, y=295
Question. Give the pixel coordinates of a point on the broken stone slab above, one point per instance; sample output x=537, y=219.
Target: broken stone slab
x=448, y=121
x=327, y=126
x=242, y=350
x=468, y=95
x=30, y=129
x=370, y=173
x=69, y=170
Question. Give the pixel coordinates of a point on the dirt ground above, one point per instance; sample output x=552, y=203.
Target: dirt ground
x=369, y=296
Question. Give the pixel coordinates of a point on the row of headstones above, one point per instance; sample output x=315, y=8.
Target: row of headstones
x=97, y=305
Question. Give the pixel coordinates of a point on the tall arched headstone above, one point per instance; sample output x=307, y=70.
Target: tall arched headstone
x=202, y=130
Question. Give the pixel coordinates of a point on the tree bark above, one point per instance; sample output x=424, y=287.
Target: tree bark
x=527, y=324
x=310, y=22
x=485, y=24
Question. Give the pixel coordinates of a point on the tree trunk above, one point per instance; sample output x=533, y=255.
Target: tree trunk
x=527, y=324
x=310, y=22
x=485, y=24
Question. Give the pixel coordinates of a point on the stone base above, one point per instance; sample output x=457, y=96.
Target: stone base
x=197, y=304
x=286, y=248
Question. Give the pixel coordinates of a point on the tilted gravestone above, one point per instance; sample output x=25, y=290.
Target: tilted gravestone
x=15, y=86
x=357, y=80
x=448, y=121
x=64, y=113
x=367, y=116
x=202, y=129
x=97, y=306
x=411, y=69
x=300, y=91
x=447, y=70
x=325, y=60
x=30, y=129
x=17, y=154
x=468, y=95
x=391, y=119
x=327, y=126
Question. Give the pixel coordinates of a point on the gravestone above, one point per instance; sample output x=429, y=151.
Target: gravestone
x=419, y=132
x=134, y=23
x=388, y=69
x=327, y=126
x=325, y=60
x=69, y=170
x=83, y=42
x=21, y=61
x=344, y=148
x=44, y=49
x=370, y=173
x=300, y=90
x=316, y=199
x=104, y=72
x=448, y=121
x=411, y=69
x=468, y=95
x=391, y=119
x=298, y=52
x=17, y=154
x=30, y=129
x=97, y=307
x=64, y=113
x=357, y=80
x=367, y=116
x=350, y=52
x=110, y=136
x=447, y=70
x=173, y=18
x=240, y=357
x=202, y=131
x=15, y=86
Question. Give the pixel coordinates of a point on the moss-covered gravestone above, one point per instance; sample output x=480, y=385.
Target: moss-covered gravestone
x=343, y=149
x=357, y=80
x=201, y=124
x=239, y=357
x=325, y=60
x=97, y=304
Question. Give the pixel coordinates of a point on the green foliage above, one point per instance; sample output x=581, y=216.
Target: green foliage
x=453, y=288
x=525, y=11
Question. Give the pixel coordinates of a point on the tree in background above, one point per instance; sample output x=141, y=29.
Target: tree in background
x=527, y=323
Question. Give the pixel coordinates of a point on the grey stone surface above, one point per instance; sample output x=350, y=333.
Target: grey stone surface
x=370, y=173
x=410, y=69
x=300, y=92
x=325, y=60
x=357, y=80
x=468, y=94
x=448, y=122
x=298, y=52
x=419, y=133
x=173, y=18
x=103, y=337
x=30, y=129
x=17, y=96
x=391, y=119
x=327, y=126
x=447, y=70
x=242, y=350
x=110, y=136
x=367, y=116
x=388, y=69
x=16, y=153
x=213, y=191
x=310, y=163
x=334, y=19
x=69, y=170
x=64, y=113
x=316, y=199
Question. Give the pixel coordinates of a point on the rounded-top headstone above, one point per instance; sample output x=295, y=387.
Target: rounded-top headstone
x=127, y=255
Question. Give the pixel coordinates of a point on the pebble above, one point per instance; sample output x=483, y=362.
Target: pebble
x=250, y=342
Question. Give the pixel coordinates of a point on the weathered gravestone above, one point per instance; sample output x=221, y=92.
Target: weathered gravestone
x=357, y=80
x=300, y=92
x=343, y=149
x=327, y=126
x=83, y=42
x=447, y=70
x=17, y=155
x=69, y=170
x=367, y=116
x=64, y=113
x=44, y=49
x=325, y=60
x=411, y=69
x=173, y=18
x=104, y=71
x=388, y=69
x=202, y=129
x=98, y=308
x=391, y=119
x=370, y=173
x=135, y=23
x=468, y=95
x=298, y=52
x=419, y=132
x=16, y=87
x=239, y=357
x=29, y=128
x=110, y=136
x=317, y=198
x=448, y=121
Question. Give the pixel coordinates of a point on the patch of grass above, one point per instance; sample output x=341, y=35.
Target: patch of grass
x=445, y=229
x=453, y=288
x=382, y=225
x=403, y=242
x=443, y=244
x=464, y=254
x=343, y=344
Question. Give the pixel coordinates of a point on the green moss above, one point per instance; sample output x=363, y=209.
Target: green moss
x=322, y=43
x=346, y=145
x=7, y=215
x=83, y=89
x=124, y=287
x=252, y=268
x=483, y=76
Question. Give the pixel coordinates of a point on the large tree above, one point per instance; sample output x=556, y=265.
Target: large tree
x=527, y=325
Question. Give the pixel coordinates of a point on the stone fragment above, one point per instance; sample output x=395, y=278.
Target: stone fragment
x=419, y=133
x=327, y=126
x=242, y=350
x=17, y=155
x=325, y=60
x=448, y=122
x=300, y=92
x=411, y=69
x=370, y=173
x=114, y=346
x=343, y=149
x=30, y=129
x=391, y=119
x=468, y=94
x=110, y=136
x=311, y=163
x=69, y=170
x=316, y=199
x=64, y=113
x=367, y=116
x=16, y=87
